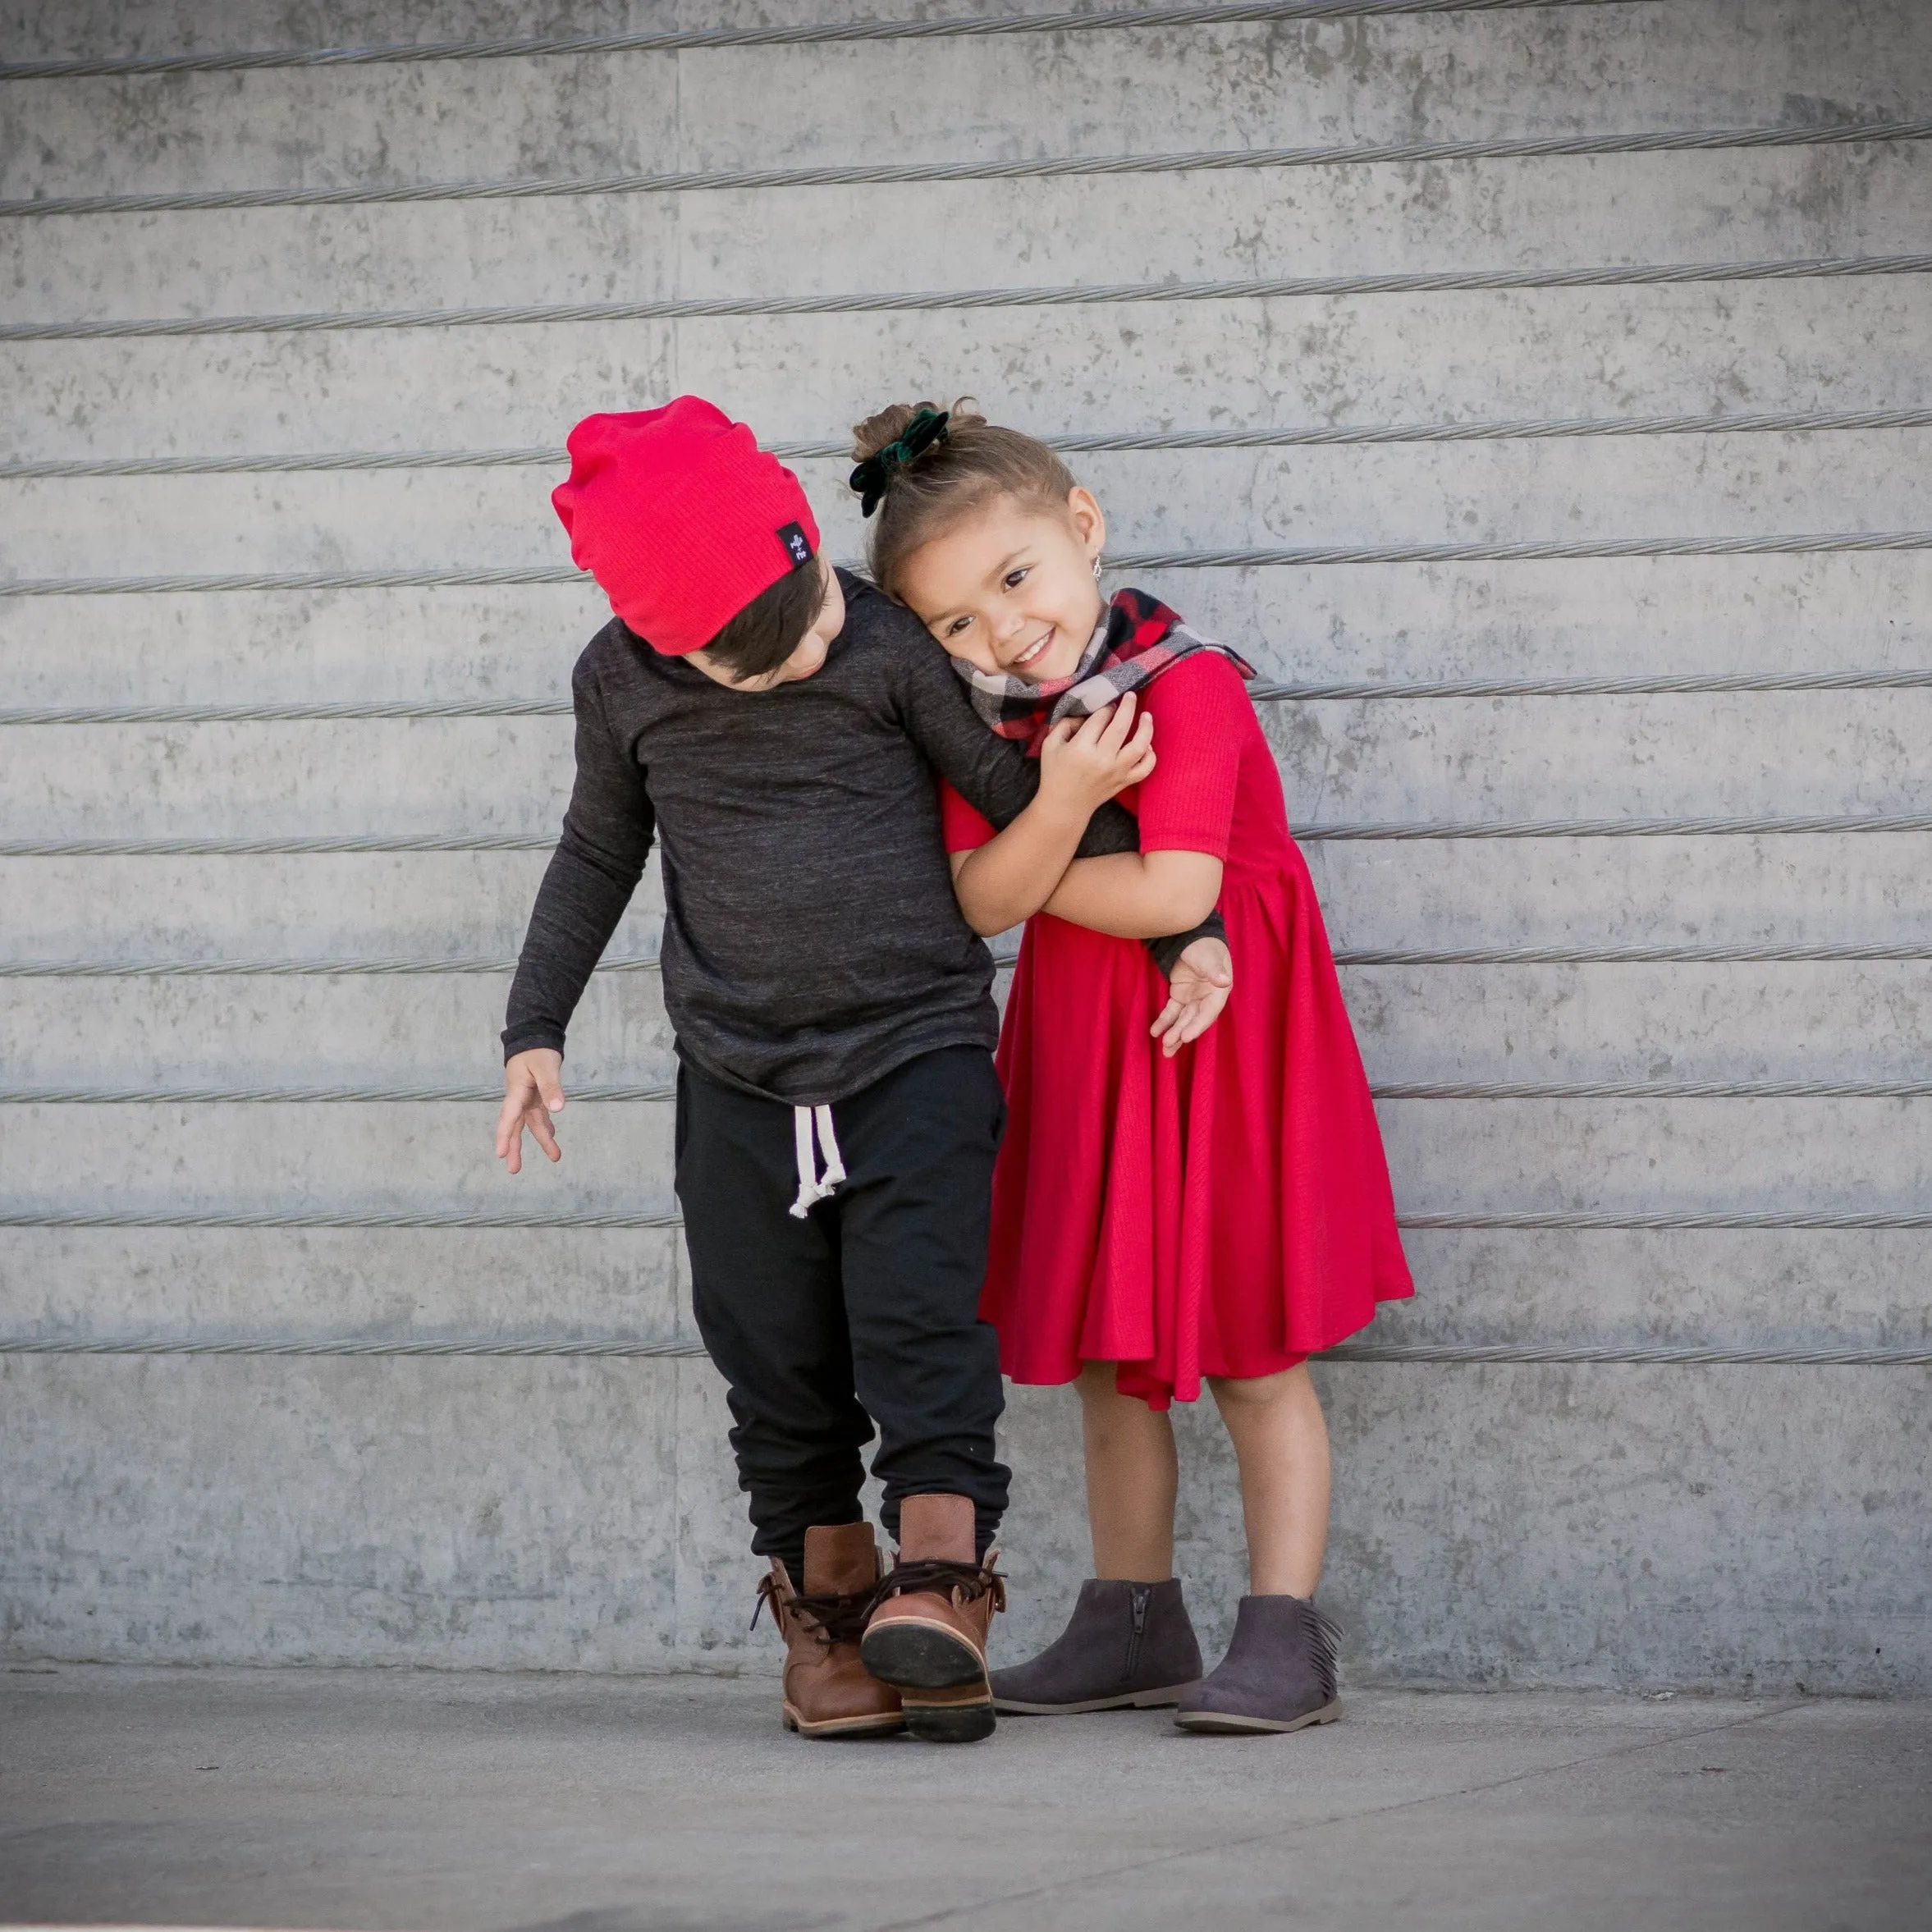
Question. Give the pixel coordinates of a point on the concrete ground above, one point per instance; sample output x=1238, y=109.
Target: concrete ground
x=392, y=1799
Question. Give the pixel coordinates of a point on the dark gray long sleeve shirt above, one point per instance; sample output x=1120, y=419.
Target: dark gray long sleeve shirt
x=812, y=941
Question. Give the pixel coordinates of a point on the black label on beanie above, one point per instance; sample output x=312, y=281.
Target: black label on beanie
x=798, y=547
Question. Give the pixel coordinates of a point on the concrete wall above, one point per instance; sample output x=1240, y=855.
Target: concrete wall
x=1552, y=1525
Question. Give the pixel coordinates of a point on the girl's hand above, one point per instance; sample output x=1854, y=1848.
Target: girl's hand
x=1085, y=762
x=1197, y=989
x=532, y=1091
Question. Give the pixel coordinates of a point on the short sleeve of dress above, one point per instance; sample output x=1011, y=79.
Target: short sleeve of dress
x=966, y=831
x=1202, y=719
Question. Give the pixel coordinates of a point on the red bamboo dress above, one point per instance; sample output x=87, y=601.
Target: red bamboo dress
x=1226, y=1212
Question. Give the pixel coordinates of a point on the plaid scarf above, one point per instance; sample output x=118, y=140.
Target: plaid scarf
x=1135, y=641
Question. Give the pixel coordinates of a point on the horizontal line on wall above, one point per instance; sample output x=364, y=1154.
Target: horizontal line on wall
x=1576, y=1090
x=1069, y=295
x=468, y=1092
x=1528, y=551
x=1823, y=824
x=355, y=1348
x=1772, y=953
x=314, y=969
x=1769, y=953
x=1661, y=1220
x=1527, y=1221
x=1811, y=544
x=911, y=173
x=1817, y=825
x=328, y=711
x=826, y=33
x=332, y=710
x=1658, y=685
x=1292, y=436
x=320, y=1219
x=289, y=846
x=474, y=1093
x=1637, y=1354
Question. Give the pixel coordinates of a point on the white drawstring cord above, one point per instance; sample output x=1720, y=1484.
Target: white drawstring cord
x=812, y=1188
x=828, y=1145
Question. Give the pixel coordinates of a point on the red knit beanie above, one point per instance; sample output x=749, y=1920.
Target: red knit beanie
x=681, y=518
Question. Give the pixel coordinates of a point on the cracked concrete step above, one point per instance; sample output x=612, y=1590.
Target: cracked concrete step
x=1359, y=360
x=1357, y=623
x=372, y=1160
x=1826, y=889
x=1435, y=761
x=548, y=1509
x=332, y=1282
x=1753, y=1288
x=1198, y=500
x=1445, y=1156
x=1742, y=1022
x=1525, y=214
x=1230, y=85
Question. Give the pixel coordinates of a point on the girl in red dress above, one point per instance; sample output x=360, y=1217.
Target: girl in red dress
x=1192, y=1186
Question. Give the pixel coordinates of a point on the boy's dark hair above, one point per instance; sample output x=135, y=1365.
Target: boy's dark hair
x=766, y=631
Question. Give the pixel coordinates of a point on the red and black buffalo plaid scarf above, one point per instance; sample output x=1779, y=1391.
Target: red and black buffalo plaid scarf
x=1135, y=641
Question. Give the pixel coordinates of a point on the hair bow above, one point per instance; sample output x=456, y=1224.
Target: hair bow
x=871, y=477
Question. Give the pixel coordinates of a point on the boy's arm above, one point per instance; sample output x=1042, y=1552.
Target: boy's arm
x=1167, y=951
x=606, y=838
x=1005, y=878
x=991, y=774
x=999, y=780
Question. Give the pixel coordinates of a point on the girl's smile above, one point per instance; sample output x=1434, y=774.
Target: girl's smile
x=1033, y=651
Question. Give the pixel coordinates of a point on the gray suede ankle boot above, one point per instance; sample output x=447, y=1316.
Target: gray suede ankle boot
x=1129, y=1646
x=1278, y=1674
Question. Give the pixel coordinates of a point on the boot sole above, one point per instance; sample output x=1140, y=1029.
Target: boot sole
x=1132, y=1701
x=962, y=1716
x=1229, y=1723
x=912, y=1655
x=941, y=1680
x=842, y=1726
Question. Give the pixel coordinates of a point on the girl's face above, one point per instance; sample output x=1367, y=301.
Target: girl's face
x=1012, y=589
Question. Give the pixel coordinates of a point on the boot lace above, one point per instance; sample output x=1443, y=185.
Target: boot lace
x=943, y=1576
x=830, y=1617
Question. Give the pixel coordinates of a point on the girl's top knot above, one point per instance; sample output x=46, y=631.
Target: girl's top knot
x=871, y=477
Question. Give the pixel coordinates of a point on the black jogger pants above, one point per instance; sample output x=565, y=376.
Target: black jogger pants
x=865, y=1311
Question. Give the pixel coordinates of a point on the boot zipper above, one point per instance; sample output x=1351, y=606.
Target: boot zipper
x=1140, y=1595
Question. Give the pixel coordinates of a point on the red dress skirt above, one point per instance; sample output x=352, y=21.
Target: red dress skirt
x=1226, y=1212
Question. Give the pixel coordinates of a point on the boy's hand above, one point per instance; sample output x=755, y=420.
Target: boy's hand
x=532, y=1091
x=1085, y=762
x=1197, y=989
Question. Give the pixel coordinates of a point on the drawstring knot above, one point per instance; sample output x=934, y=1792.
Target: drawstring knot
x=813, y=1188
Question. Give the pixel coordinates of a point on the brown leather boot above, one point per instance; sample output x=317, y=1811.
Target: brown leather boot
x=928, y=1636
x=828, y=1692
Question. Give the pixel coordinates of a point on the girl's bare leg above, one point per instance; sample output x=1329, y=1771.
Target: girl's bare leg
x=1131, y=1478
x=1281, y=1445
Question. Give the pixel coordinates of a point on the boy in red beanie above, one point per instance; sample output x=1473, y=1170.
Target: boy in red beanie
x=837, y=1110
